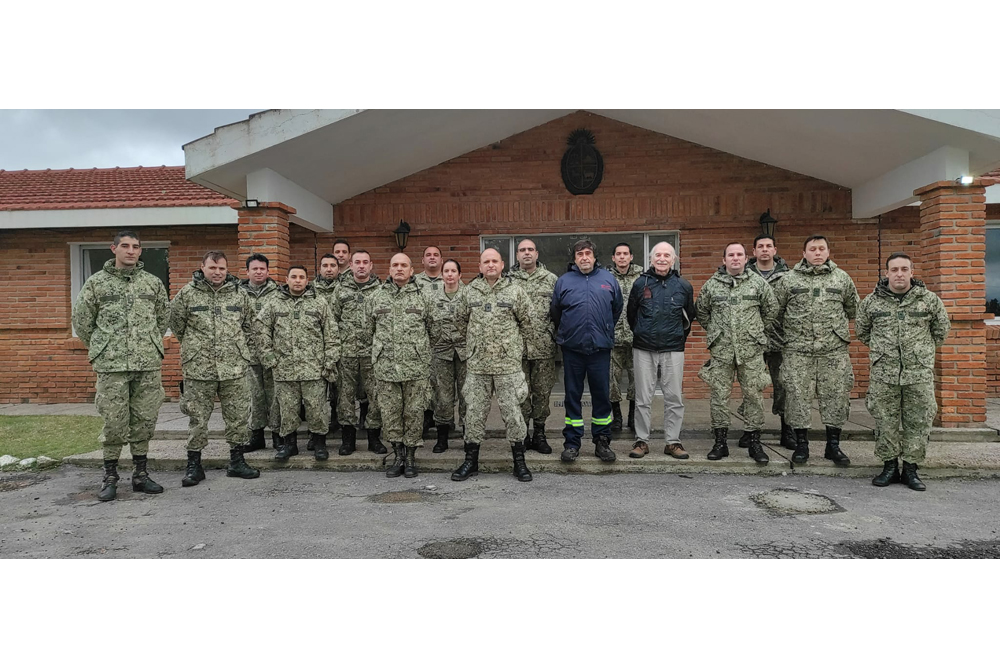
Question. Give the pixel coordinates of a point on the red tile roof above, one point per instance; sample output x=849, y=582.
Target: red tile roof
x=120, y=187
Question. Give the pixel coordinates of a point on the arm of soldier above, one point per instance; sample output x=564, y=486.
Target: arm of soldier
x=704, y=305
x=162, y=308
x=768, y=308
x=522, y=313
x=263, y=327
x=85, y=313
x=632, y=310
x=556, y=307
x=941, y=323
x=617, y=302
x=781, y=295
x=331, y=345
x=430, y=306
x=334, y=303
x=462, y=312
x=246, y=323
x=863, y=323
x=851, y=299
x=179, y=315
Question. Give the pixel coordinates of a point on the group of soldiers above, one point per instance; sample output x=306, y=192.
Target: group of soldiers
x=408, y=349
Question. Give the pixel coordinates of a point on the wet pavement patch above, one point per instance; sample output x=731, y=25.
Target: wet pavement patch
x=784, y=502
x=404, y=496
x=459, y=548
x=9, y=483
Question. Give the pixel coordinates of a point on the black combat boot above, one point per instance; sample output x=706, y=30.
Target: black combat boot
x=395, y=469
x=375, y=441
x=909, y=477
x=442, y=442
x=801, y=454
x=720, y=449
x=428, y=423
x=521, y=471
x=744, y=439
x=889, y=474
x=602, y=449
x=833, y=451
x=238, y=467
x=109, y=486
x=616, y=420
x=275, y=440
x=194, y=473
x=756, y=449
x=289, y=447
x=787, y=435
x=470, y=466
x=319, y=446
x=141, y=482
x=256, y=441
x=364, y=415
x=348, y=440
x=631, y=416
x=410, y=464
x=538, y=441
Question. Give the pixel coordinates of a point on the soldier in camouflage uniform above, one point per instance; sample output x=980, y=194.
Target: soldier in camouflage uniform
x=737, y=308
x=399, y=322
x=348, y=305
x=342, y=253
x=901, y=322
x=539, y=361
x=261, y=289
x=449, y=353
x=211, y=317
x=815, y=302
x=432, y=282
x=496, y=315
x=324, y=285
x=298, y=339
x=121, y=316
x=625, y=272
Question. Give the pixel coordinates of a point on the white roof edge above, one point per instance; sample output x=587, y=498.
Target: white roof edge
x=123, y=217
x=983, y=121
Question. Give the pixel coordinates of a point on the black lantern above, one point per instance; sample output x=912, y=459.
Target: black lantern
x=402, y=233
x=767, y=224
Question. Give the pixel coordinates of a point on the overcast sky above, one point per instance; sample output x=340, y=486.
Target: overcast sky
x=59, y=139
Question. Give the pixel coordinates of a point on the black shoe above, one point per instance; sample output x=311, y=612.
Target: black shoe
x=348, y=440
x=521, y=471
x=744, y=439
x=289, y=447
x=256, y=441
x=375, y=441
x=889, y=474
x=616, y=420
x=238, y=467
x=364, y=416
x=602, y=448
x=801, y=454
x=909, y=477
x=395, y=469
x=141, y=482
x=442, y=442
x=470, y=466
x=787, y=435
x=833, y=451
x=631, y=416
x=756, y=450
x=719, y=449
x=109, y=486
x=538, y=441
x=194, y=473
x=275, y=440
x=569, y=454
x=318, y=441
x=428, y=423
x=410, y=465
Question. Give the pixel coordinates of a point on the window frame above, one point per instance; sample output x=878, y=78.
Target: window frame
x=991, y=224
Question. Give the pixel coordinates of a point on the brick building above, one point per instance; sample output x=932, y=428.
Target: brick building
x=873, y=182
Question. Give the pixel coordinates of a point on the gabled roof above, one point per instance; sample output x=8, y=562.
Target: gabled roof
x=117, y=188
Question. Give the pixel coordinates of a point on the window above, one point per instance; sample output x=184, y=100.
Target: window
x=993, y=269
x=88, y=259
x=553, y=249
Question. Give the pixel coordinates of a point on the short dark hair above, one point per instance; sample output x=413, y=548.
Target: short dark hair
x=359, y=251
x=897, y=255
x=258, y=257
x=214, y=256
x=342, y=241
x=622, y=243
x=298, y=266
x=763, y=236
x=438, y=248
x=815, y=237
x=733, y=243
x=127, y=233
x=581, y=245
x=455, y=262
x=327, y=255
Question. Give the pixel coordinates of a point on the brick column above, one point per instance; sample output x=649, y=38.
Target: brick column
x=953, y=265
x=264, y=229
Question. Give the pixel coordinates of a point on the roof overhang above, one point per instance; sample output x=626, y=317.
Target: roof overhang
x=121, y=217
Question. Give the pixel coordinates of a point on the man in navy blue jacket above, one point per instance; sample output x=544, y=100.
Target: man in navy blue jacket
x=586, y=304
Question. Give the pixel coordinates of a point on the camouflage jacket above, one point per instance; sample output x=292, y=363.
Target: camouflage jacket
x=399, y=322
x=258, y=298
x=540, y=336
x=495, y=320
x=348, y=304
x=901, y=334
x=736, y=312
x=776, y=337
x=297, y=337
x=623, y=334
x=324, y=288
x=429, y=285
x=121, y=316
x=446, y=338
x=214, y=328
x=814, y=306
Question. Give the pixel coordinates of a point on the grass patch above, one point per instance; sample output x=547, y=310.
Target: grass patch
x=54, y=436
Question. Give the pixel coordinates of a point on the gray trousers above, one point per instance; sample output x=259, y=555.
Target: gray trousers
x=667, y=371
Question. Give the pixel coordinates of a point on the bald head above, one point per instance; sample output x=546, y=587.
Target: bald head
x=400, y=269
x=490, y=265
x=662, y=257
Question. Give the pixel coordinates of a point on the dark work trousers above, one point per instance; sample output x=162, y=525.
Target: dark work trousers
x=596, y=368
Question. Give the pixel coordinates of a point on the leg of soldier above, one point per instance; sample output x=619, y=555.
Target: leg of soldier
x=511, y=388
x=834, y=382
x=884, y=402
x=374, y=418
x=919, y=409
x=671, y=384
x=574, y=371
x=542, y=380
x=460, y=384
x=645, y=387
x=720, y=382
x=444, y=394
x=390, y=400
x=349, y=377
x=113, y=406
x=234, y=397
x=526, y=404
x=416, y=395
x=617, y=366
x=752, y=376
x=258, y=402
x=317, y=403
x=197, y=403
x=773, y=361
x=798, y=377
x=289, y=395
x=478, y=393
x=145, y=399
x=271, y=401
x=599, y=381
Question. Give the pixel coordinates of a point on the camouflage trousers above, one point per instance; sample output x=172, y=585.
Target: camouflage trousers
x=773, y=361
x=450, y=376
x=357, y=379
x=828, y=377
x=129, y=402
x=263, y=404
x=752, y=376
x=511, y=390
x=198, y=403
x=541, y=377
x=621, y=360
x=403, y=405
x=903, y=418
x=293, y=393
